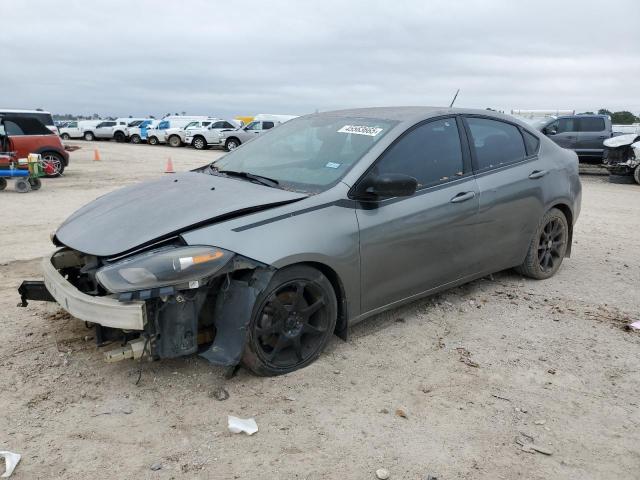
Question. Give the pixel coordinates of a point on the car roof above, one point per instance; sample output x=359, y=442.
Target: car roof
x=407, y=114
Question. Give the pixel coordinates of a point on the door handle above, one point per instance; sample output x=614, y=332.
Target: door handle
x=603, y=137
x=538, y=174
x=463, y=197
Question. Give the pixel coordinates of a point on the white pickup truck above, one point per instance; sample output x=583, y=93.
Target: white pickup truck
x=209, y=135
x=176, y=136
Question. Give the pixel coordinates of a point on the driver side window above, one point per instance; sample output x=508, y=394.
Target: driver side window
x=431, y=153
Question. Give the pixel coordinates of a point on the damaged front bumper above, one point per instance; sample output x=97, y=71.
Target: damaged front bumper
x=212, y=318
x=106, y=311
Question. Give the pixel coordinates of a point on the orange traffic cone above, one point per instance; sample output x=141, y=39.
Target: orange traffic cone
x=96, y=155
x=169, y=167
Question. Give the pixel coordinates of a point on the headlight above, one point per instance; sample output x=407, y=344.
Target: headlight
x=163, y=268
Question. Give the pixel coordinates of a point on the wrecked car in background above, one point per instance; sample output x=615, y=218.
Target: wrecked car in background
x=263, y=255
x=622, y=156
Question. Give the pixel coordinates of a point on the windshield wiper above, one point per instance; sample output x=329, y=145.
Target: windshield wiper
x=269, y=182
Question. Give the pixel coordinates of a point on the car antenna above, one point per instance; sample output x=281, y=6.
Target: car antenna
x=454, y=98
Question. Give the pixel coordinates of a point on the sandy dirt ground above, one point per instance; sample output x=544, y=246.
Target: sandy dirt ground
x=444, y=387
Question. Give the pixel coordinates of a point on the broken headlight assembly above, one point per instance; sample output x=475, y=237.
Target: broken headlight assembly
x=162, y=268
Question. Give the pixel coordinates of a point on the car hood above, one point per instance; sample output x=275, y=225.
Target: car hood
x=621, y=140
x=143, y=213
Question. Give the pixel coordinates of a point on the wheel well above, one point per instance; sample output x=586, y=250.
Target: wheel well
x=233, y=138
x=568, y=214
x=174, y=135
x=341, y=297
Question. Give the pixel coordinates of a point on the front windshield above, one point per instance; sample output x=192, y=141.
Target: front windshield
x=307, y=154
x=192, y=125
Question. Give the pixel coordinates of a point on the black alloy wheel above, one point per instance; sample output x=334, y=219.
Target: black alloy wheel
x=292, y=322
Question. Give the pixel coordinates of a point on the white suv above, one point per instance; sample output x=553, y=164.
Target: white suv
x=176, y=136
x=201, y=138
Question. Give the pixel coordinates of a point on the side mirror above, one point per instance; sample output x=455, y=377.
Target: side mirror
x=387, y=185
x=550, y=131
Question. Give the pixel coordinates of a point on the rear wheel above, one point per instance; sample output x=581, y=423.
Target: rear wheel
x=636, y=174
x=175, y=141
x=292, y=321
x=152, y=141
x=65, y=136
x=119, y=137
x=136, y=139
x=548, y=246
x=199, y=143
x=53, y=164
x=89, y=136
x=3, y=184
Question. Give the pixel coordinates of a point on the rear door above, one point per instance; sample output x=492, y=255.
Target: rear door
x=592, y=131
x=511, y=179
x=563, y=131
x=411, y=245
x=104, y=130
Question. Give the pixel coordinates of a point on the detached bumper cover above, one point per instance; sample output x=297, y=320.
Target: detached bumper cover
x=105, y=311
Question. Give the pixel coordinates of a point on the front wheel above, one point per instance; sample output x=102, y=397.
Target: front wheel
x=232, y=144
x=65, y=136
x=292, y=321
x=636, y=174
x=136, y=139
x=89, y=136
x=53, y=164
x=199, y=143
x=175, y=141
x=152, y=141
x=548, y=247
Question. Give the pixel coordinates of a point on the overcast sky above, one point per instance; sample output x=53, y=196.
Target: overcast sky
x=293, y=57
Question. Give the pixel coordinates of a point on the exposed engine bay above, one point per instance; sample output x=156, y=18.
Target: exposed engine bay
x=622, y=155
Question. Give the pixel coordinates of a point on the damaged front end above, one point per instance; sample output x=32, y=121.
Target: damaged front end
x=166, y=302
x=622, y=154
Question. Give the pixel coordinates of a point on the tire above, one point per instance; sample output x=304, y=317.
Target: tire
x=199, y=143
x=636, y=174
x=232, y=143
x=89, y=136
x=65, y=136
x=548, y=246
x=277, y=345
x=622, y=179
x=135, y=139
x=119, y=137
x=56, y=160
x=152, y=141
x=22, y=185
x=175, y=141
x=35, y=183
x=3, y=184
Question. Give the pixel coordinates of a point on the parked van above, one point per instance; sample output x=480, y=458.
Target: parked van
x=139, y=133
x=76, y=128
x=44, y=117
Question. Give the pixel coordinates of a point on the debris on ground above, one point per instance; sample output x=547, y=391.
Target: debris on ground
x=382, y=473
x=465, y=357
x=156, y=466
x=221, y=394
x=633, y=326
x=10, y=461
x=401, y=413
x=526, y=445
x=239, y=425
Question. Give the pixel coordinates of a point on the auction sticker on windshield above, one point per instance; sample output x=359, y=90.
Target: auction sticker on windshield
x=361, y=130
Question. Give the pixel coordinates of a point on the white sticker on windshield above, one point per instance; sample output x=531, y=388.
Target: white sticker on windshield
x=361, y=130
x=332, y=165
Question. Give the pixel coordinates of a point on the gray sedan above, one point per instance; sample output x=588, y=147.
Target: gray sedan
x=263, y=255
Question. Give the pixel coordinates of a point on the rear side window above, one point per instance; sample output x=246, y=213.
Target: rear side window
x=431, y=153
x=12, y=129
x=267, y=125
x=495, y=143
x=590, y=124
x=531, y=142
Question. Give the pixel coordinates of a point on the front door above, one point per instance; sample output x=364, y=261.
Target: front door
x=412, y=245
x=563, y=131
